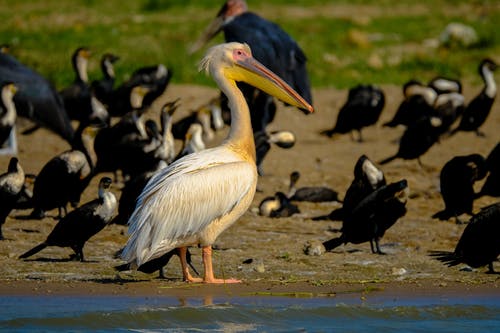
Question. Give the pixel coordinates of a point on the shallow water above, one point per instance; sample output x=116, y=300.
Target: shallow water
x=250, y=314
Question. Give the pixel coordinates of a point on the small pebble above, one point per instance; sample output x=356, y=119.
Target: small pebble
x=314, y=248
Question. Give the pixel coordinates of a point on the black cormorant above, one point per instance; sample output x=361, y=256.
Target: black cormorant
x=479, y=244
x=264, y=140
x=479, y=108
x=154, y=78
x=418, y=103
x=417, y=139
x=278, y=205
x=443, y=85
x=310, y=193
x=103, y=88
x=130, y=192
x=77, y=95
x=457, y=180
x=491, y=185
x=113, y=144
x=76, y=228
x=166, y=150
x=367, y=178
x=193, y=141
x=370, y=219
x=362, y=109
x=448, y=107
x=11, y=185
x=64, y=177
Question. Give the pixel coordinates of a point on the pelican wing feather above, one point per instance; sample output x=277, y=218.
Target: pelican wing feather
x=180, y=201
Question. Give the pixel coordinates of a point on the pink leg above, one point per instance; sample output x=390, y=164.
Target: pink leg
x=185, y=269
x=209, y=273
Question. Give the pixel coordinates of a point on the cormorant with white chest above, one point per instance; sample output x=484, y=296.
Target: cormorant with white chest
x=478, y=110
x=370, y=219
x=76, y=228
x=367, y=178
x=11, y=185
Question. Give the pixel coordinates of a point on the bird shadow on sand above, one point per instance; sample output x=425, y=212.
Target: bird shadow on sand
x=31, y=217
x=123, y=280
x=68, y=259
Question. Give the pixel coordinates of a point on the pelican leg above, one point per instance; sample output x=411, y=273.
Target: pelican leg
x=185, y=269
x=209, y=273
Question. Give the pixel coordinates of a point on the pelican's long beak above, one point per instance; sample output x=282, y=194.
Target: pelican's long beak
x=251, y=71
x=211, y=30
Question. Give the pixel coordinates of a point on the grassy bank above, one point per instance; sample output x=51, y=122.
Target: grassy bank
x=346, y=41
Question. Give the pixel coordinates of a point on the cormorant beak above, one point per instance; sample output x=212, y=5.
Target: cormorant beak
x=251, y=71
x=85, y=53
x=210, y=31
x=172, y=106
x=404, y=191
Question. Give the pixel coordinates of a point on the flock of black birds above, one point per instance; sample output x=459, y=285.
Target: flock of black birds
x=113, y=135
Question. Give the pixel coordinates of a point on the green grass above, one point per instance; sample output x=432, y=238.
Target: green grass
x=346, y=42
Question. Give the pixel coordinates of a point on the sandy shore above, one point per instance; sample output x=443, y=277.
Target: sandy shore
x=260, y=288
x=275, y=246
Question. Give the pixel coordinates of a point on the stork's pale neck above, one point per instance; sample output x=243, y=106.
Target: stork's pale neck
x=240, y=138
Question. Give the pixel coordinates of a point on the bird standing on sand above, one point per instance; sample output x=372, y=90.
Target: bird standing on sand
x=367, y=178
x=278, y=205
x=196, y=198
x=479, y=244
x=417, y=139
x=310, y=193
x=362, y=109
x=64, y=177
x=11, y=185
x=270, y=45
x=457, y=180
x=76, y=228
x=370, y=219
x=477, y=111
x=491, y=185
